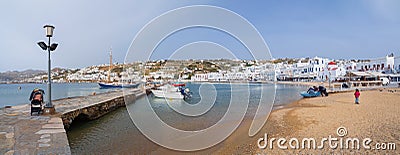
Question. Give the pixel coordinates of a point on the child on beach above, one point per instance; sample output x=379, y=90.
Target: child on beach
x=357, y=95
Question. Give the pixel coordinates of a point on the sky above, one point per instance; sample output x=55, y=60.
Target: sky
x=86, y=30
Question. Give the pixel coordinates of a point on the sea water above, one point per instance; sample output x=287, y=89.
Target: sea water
x=116, y=133
x=17, y=94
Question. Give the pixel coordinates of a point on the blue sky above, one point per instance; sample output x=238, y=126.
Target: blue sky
x=87, y=29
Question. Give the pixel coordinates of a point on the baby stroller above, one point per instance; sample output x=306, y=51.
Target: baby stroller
x=36, y=99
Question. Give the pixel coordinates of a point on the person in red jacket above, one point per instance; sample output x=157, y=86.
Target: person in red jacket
x=357, y=95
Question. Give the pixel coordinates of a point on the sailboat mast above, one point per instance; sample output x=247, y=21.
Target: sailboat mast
x=110, y=67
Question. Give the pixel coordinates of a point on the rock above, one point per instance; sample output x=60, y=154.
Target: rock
x=44, y=145
x=44, y=136
x=10, y=135
x=11, y=152
x=44, y=140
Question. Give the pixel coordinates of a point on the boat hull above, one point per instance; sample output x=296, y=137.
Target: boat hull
x=308, y=95
x=179, y=84
x=106, y=86
x=167, y=94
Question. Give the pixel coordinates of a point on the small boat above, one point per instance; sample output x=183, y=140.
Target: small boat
x=118, y=85
x=179, y=84
x=167, y=94
x=110, y=84
x=310, y=94
x=170, y=92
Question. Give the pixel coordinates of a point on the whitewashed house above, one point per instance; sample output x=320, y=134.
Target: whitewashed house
x=199, y=77
x=383, y=65
x=397, y=64
x=333, y=71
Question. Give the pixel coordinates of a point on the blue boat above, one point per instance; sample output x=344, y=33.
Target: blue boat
x=115, y=85
x=310, y=94
x=112, y=85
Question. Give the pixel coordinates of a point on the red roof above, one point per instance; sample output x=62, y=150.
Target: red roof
x=332, y=63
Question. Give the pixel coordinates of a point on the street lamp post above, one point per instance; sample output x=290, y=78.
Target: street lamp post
x=49, y=47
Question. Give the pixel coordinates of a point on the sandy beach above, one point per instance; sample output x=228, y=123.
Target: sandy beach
x=376, y=117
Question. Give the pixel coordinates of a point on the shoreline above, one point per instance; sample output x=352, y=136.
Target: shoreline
x=374, y=117
x=284, y=120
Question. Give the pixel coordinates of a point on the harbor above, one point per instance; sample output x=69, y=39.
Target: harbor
x=56, y=133
x=200, y=77
x=96, y=114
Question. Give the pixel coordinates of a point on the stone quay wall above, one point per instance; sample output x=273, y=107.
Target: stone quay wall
x=95, y=111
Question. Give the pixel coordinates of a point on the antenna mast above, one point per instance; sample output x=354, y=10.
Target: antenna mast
x=110, y=68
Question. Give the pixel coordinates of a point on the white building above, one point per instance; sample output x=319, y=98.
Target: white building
x=397, y=64
x=314, y=69
x=382, y=65
x=199, y=77
x=162, y=75
x=333, y=71
x=311, y=69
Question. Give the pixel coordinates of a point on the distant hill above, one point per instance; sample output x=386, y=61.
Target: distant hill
x=19, y=75
x=203, y=66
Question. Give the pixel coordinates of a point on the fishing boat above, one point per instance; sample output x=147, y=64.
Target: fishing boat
x=110, y=84
x=117, y=85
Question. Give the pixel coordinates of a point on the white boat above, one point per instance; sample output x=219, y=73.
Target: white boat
x=170, y=92
x=167, y=94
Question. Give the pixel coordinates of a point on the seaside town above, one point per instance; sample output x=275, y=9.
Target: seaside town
x=184, y=78
x=171, y=79
x=385, y=69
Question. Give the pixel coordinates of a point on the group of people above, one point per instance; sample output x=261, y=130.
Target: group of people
x=315, y=89
x=322, y=90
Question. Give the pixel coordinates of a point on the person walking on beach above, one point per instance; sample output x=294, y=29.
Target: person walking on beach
x=357, y=95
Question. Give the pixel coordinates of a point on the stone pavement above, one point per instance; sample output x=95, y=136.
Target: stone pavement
x=21, y=133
